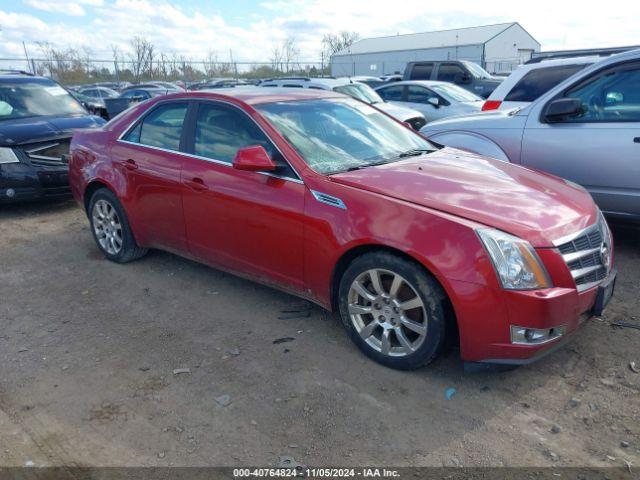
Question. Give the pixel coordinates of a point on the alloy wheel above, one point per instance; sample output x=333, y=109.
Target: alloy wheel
x=387, y=312
x=107, y=227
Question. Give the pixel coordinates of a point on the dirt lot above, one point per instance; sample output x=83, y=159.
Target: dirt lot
x=88, y=351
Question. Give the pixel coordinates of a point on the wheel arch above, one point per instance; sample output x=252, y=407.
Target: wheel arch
x=352, y=253
x=91, y=188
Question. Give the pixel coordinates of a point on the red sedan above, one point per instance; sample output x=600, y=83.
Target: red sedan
x=330, y=199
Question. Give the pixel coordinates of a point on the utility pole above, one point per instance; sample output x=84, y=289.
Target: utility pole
x=26, y=55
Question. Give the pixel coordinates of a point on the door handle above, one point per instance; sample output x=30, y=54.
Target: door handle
x=196, y=184
x=130, y=164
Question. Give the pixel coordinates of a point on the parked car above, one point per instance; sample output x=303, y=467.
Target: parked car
x=219, y=83
x=95, y=106
x=330, y=199
x=434, y=100
x=37, y=118
x=528, y=82
x=144, y=93
x=394, y=77
x=468, y=75
x=586, y=129
x=372, y=82
x=97, y=92
x=166, y=86
x=356, y=90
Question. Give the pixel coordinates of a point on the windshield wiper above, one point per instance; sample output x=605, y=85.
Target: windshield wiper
x=415, y=152
x=367, y=165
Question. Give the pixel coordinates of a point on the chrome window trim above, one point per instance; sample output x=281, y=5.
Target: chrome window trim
x=133, y=124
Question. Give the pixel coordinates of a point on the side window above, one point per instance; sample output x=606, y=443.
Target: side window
x=393, y=93
x=612, y=96
x=161, y=128
x=419, y=94
x=421, y=71
x=450, y=72
x=221, y=131
x=539, y=81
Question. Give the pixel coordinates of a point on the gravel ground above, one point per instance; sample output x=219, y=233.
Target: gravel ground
x=167, y=362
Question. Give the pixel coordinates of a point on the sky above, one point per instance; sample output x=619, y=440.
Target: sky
x=251, y=29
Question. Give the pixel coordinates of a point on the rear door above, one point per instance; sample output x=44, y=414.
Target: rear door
x=249, y=222
x=150, y=158
x=600, y=148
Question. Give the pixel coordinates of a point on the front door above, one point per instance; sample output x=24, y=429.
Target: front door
x=600, y=148
x=249, y=222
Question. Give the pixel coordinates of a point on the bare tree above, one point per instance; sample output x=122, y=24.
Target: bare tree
x=332, y=43
x=142, y=55
x=290, y=52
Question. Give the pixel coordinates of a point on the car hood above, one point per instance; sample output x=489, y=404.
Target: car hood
x=537, y=207
x=398, y=112
x=33, y=129
x=478, y=120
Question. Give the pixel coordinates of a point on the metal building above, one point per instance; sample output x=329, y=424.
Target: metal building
x=498, y=48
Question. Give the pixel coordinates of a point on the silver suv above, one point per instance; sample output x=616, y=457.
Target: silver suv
x=586, y=129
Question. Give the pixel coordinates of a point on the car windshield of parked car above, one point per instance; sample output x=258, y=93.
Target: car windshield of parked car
x=336, y=135
x=361, y=92
x=453, y=93
x=33, y=97
x=476, y=70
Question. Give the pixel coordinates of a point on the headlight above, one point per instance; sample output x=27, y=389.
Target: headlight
x=515, y=261
x=7, y=155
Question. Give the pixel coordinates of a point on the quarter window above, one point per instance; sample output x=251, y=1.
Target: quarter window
x=612, y=96
x=161, y=128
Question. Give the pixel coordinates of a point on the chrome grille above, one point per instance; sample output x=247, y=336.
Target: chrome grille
x=583, y=254
x=47, y=153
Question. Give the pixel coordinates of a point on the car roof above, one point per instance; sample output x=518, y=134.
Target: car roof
x=424, y=83
x=260, y=95
x=325, y=83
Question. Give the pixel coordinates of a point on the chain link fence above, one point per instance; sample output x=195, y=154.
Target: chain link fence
x=79, y=71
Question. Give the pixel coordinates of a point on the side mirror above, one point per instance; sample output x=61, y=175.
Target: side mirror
x=253, y=159
x=435, y=101
x=562, y=108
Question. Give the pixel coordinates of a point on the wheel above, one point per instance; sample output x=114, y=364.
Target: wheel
x=393, y=310
x=111, y=229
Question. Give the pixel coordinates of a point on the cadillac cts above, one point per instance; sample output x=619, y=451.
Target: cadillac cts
x=330, y=199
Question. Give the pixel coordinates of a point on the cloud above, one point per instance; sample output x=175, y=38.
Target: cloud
x=195, y=31
x=68, y=8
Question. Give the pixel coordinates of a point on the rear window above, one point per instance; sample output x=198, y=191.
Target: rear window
x=421, y=71
x=540, y=81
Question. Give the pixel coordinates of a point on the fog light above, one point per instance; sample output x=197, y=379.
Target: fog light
x=535, y=336
x=10, y=192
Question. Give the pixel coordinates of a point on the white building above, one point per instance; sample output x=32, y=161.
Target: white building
x=498, y=48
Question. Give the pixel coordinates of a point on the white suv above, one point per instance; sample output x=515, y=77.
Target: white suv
x=528, y=82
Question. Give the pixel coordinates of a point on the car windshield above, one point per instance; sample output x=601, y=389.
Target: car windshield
x=454, y=93
x=476, y=69
x=361, y=92
x=31, y=97
x=340, y=134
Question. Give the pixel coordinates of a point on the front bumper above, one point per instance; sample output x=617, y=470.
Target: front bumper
x=23, y=182
x=485, y=316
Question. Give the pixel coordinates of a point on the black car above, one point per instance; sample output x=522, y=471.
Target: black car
x=463, y=73
x=37, y=119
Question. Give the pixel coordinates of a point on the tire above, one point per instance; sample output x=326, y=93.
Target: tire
x=109, y=221
x=408, y=303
